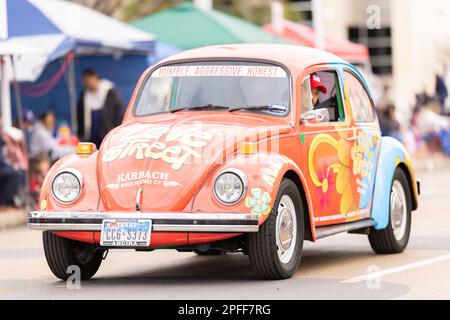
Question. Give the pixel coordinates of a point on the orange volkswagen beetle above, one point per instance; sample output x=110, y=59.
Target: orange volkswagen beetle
x=236, y=148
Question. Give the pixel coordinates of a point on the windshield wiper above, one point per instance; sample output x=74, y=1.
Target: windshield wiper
x=276, y=108
x=270, y=108
x=206, y=106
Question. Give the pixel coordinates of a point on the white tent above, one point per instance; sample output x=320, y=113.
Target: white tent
x=36, y=32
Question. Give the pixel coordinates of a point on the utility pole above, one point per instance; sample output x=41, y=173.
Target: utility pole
x=5, y=94
x=204, y=4
x=277, y=10
x=318, y=26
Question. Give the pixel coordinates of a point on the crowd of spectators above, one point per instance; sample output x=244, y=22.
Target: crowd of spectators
x=26, y=155
x=426, y=130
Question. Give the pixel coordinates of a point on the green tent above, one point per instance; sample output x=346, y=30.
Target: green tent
x=186, y=26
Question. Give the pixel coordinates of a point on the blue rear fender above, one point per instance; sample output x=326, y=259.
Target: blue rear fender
x=392, y=155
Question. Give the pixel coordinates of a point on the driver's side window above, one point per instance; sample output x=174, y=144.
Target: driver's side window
x=321, y=97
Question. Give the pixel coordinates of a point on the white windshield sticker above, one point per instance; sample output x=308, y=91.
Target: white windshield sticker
x=220, y=71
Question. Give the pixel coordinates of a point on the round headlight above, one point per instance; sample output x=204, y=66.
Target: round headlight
x=66, y=187
x=230, y=186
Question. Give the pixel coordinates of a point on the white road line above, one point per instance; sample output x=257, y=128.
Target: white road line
x=418, y=264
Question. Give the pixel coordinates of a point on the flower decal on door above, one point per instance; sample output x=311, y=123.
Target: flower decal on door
x=344, y=174
x=259, y=202
x=355, y=160
x=326, y=177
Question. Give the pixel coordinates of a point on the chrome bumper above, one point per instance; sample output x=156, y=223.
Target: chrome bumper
x=164, y=222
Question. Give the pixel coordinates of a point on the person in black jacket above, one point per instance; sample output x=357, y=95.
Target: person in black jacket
x=100, y=108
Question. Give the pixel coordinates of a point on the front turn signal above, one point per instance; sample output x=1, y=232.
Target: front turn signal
x=247, y=148
x=86, y=148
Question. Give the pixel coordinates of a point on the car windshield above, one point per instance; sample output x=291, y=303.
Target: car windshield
x=221, y=86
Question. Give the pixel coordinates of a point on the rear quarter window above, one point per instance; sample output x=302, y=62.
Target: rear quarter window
x=360, y=101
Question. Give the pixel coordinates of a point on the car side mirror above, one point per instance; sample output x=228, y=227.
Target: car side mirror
x=315, y=116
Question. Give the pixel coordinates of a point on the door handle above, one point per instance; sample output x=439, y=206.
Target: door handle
x=352, y=138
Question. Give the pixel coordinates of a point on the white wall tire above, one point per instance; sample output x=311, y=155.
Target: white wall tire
x=395, y=237
x=275, y=250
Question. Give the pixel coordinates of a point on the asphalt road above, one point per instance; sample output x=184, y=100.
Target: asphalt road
x=340, y=267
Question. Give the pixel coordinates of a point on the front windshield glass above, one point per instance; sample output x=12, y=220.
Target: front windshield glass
x=215, y=85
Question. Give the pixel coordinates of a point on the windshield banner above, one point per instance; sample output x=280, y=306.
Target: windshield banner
x=220, y=71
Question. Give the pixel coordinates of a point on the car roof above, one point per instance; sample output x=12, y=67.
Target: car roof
x=295, y=57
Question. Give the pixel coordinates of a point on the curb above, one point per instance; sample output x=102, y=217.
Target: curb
x=13, y=218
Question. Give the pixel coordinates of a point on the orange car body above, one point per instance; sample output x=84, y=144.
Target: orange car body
x=167, y=162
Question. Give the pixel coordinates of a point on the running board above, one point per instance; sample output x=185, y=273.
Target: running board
x=323, y=232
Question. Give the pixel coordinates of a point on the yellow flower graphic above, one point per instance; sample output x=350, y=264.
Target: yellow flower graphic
x=342, y=168
x=344, y=175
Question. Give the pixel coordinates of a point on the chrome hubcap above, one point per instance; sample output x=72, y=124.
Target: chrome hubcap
x=398, y=210
x=286, y=229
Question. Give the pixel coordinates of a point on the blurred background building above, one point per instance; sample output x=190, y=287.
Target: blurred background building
x=407, y=39
x=400, y=45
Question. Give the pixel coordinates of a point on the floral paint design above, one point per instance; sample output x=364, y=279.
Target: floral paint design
x=356, y=159
x=259, y=202
x=327, y=179
x=363, y=155
x=344, y=175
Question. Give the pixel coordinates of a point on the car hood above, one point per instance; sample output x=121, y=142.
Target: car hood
x=169, y=157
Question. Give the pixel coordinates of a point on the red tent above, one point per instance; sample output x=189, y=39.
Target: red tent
x=304, y=35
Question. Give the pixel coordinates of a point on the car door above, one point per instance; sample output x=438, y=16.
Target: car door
x=365, y=148
x=326, y=152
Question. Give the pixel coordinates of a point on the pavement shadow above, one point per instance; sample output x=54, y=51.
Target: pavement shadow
x=225, y=268
x=229, y=268
x=220, y=277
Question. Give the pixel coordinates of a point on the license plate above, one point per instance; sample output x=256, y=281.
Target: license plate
x=126, y=233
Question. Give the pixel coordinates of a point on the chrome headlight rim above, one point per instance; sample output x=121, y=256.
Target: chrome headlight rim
x=241, y=175
x=77, y=174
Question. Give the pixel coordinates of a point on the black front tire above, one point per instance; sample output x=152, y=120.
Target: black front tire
x=62, y=253
x=384, y=241
x=262, y=246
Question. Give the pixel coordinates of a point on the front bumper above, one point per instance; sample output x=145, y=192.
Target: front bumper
x=163, y=222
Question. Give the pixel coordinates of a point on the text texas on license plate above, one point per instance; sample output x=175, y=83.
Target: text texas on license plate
x=126, y=233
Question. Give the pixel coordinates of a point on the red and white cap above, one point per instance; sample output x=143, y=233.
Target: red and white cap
x=317, y=83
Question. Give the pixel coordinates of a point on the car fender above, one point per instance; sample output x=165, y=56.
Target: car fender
x=89, y=197
x=392, y=155
x=264, y=172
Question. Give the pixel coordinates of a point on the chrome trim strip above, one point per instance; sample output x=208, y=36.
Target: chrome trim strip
x=157, y=228
x=64, y=227
x=326, y=231
x=239, y=222
x=140, y=215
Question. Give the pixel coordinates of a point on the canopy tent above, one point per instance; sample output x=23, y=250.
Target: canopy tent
x=123, y=71
x=36, y=32
x=187, y=26
x=304, y=35
x=162, y=51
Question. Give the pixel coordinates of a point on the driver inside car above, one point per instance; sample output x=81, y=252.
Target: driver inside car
x=331, y=104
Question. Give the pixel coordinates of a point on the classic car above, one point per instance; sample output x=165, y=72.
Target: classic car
x=233, y=148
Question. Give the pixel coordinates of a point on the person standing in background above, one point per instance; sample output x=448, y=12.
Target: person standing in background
x=28, y=123
x=389, y=124
x=441, y=92
x=99, y=108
